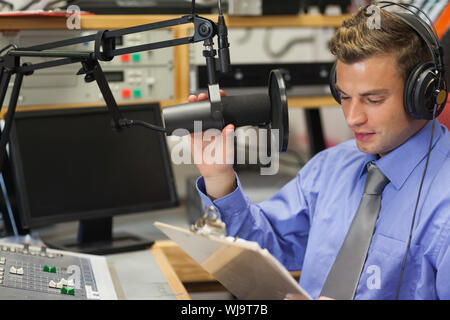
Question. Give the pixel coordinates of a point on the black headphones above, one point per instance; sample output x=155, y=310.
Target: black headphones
x=425, y=87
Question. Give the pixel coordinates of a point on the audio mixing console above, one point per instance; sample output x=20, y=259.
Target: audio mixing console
x=28, y=272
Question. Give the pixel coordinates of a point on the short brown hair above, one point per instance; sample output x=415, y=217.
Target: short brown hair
x=354, y=41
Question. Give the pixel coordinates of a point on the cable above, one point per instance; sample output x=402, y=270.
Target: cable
x=52, y=5
x=125, y=123
x=417, y=205
x=287, y=47
x=8, y=4
x=193, y=7
x=29, y=4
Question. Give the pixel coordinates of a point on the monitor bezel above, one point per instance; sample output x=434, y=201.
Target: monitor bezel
x=18, y=179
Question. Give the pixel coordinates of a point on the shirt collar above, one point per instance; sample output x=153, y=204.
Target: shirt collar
x=398, y=164
x=368, y=158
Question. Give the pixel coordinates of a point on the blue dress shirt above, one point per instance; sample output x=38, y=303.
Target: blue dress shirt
x=304, y=224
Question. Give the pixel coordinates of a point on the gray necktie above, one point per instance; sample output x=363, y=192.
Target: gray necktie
x=344, y=275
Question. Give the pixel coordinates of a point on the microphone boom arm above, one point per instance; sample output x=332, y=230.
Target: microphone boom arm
x=104, y=50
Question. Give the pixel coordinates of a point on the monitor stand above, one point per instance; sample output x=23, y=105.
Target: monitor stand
x=95, y=236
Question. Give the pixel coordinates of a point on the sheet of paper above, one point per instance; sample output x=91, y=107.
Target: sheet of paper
x=242, y=267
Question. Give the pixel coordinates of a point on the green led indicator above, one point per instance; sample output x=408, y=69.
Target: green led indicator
x=137, y=93
x=136, y=57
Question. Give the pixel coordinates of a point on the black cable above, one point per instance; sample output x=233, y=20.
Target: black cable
x=193, y=7
x=7, y=3
x=125, y=123
x=29, y=4
x=287, y=47
x=417, y=204
x=148, y=126
x=52, y=4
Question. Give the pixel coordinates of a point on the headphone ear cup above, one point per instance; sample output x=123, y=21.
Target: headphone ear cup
x=332, y=80
x=418, y=97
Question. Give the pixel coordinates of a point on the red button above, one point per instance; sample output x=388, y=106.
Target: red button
x=126, y=93
x=125, y=57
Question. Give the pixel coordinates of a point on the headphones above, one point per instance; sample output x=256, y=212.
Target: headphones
x=425, y=87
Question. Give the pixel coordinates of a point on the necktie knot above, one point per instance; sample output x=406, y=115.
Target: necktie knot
x=375, y=181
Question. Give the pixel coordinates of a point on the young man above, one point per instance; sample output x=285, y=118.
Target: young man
x=304, y=225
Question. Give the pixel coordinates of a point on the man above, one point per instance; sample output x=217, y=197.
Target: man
x=305, y=223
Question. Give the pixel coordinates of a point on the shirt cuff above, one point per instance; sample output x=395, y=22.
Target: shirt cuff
x=231, y=204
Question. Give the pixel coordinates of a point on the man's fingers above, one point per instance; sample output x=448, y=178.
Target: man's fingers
x=228, y=130
x=229, y=127
x=192, y=98
x=202, y=96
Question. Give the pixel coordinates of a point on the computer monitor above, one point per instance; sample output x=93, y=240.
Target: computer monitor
x=70, y=165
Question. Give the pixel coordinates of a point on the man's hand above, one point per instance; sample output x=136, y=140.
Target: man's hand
x=219, y=174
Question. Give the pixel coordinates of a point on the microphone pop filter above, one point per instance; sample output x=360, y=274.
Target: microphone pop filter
x=279, y=108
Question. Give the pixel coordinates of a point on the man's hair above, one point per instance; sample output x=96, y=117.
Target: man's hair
x=354, y=41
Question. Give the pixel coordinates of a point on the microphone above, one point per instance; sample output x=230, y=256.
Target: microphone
x=269, y=110
x=224, y=51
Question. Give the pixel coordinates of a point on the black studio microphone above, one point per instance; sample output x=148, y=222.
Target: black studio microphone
x=269, y=110
x=224, y=45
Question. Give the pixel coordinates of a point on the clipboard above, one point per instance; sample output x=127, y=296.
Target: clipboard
x=241, y=266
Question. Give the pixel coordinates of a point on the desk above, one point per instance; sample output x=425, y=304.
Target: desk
x=163, y=271
x=142, y=275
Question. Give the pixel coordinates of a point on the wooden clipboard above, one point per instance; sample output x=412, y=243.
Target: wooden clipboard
x=246, y=270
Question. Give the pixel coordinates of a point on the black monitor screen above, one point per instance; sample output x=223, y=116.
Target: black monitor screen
x=70, y=165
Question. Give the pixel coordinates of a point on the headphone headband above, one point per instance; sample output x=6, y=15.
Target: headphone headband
x=427, y=31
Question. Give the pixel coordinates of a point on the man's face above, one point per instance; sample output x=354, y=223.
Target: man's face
x=372, y=101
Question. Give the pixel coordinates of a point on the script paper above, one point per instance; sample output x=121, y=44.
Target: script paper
x=246, y=270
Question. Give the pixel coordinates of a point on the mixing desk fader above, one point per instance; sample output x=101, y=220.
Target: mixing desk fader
x=28, y=272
